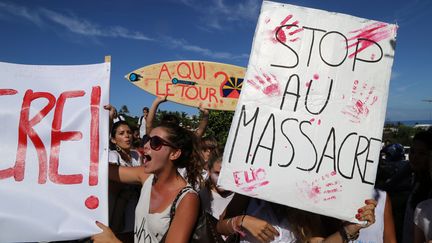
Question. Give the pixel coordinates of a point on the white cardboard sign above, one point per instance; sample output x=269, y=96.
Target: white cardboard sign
x=307, y=129
x=53, y=149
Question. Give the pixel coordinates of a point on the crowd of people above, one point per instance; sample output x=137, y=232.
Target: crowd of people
x=163, y=177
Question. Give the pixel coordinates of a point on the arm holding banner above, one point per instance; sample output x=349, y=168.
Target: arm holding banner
x=152, y=112
x=203, y=122
x=234, y=220
x=112, y=114
x=106, y=236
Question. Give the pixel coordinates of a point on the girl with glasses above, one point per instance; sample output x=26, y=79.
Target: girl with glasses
x=164, y=150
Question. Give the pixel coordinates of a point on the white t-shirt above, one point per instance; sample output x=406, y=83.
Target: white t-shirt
x=375, y=232
x=151, y=227
x=115, y=158
x=262, y=210
x=142, y=126
x=423, y=217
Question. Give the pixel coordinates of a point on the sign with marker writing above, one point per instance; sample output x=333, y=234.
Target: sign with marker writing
x=53, y=147
x=308, y=125
x=211, y=85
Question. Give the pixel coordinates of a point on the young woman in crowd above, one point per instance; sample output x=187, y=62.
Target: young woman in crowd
x=122, y=198
x=423, y=210
x=165, y=149
x=213, y=198
x=261, y=221
x=422, y=189
x=209, y=148
x=172, y=119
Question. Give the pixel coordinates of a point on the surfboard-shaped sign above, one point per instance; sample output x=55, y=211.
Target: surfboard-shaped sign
x=213, y=85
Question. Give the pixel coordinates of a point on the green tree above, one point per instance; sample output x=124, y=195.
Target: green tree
x=219, y=125
x=399, y=133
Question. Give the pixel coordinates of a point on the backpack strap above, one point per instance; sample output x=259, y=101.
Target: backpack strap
x=174, y=205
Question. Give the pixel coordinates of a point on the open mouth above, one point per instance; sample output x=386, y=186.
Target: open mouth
x=145, y=159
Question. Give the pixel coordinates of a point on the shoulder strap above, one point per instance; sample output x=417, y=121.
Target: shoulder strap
x=174, y=205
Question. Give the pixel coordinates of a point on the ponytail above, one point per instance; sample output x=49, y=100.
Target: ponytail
x=190, y=157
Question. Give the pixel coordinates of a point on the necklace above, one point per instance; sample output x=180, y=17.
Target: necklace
x=123, y=154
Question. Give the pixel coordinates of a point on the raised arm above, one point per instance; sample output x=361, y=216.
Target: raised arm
x=152, y=112
x=203, y=122
x=112, y=114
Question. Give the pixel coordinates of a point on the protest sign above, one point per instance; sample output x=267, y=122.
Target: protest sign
x=307, y=129
x=54, y=148
x=211, y=85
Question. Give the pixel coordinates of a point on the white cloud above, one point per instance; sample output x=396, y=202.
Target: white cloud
x=395, y=75
x=184, y=45
x=42, y=17
x=46, y=17
x=85, y=27
x=22, y=12
x=219, y=14
x=404, y=86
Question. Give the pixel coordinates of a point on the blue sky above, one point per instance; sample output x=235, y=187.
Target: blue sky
x=137, y=33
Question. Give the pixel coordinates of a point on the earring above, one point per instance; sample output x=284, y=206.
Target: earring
x=118, y=148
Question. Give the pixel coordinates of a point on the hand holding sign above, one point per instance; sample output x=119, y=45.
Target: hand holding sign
x=106, y=236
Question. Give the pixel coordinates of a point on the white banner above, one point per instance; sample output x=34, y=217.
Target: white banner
x=54, y=149
x=307, y=129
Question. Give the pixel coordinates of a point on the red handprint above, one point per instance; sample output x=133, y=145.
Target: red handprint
x=373, y=33
x=321, y=189
x=280, y=33
x=266, y=84
x=361, y=101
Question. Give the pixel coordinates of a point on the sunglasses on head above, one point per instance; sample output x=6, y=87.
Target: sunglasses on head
x=156, y=142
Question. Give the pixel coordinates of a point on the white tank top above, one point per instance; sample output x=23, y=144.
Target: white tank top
x=375, y=232
x=151, y=227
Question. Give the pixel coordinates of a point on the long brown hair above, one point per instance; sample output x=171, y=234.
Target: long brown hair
x=305, y=225
x=190, y=157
